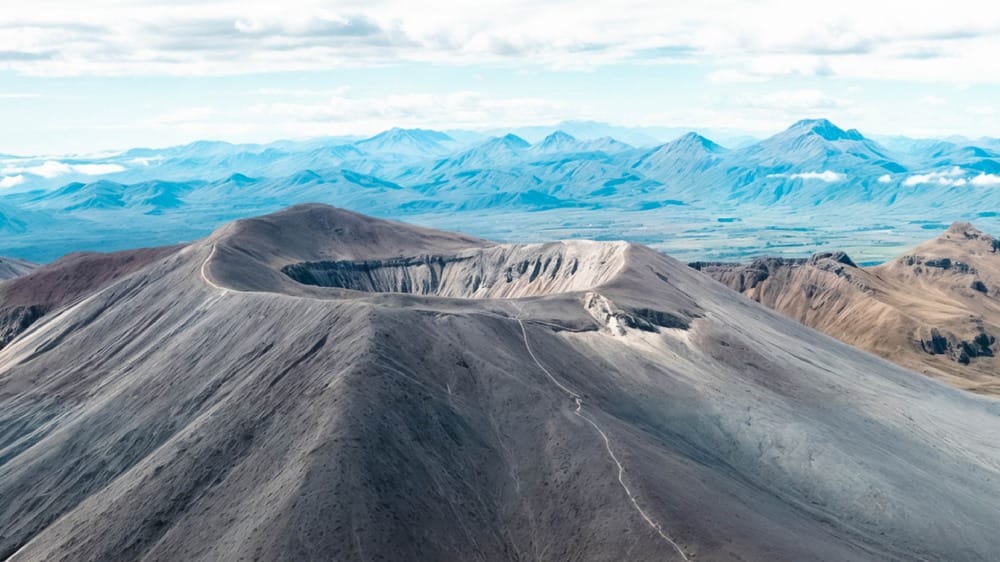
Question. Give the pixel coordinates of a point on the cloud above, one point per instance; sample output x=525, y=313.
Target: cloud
x=347, y=114
x=982, y=110
x=733, y=76
x=288, y=113
x=54, y=168
x=950, y=177
x=771, y=65
x=49, y=169
x=984, y=179
x=769, y=112
x=736, y=41
x=97, y=169
x=184, y=115
x=11, y=181
x=146, y=161
x=341, y=26
x=885, y=178
x=25, y=56
x=303, y=92
x=801, y=102
x=827, y=176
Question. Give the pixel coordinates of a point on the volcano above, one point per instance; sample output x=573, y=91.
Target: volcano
x=317, y=384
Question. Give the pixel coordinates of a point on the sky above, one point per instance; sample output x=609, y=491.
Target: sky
x=85, y=77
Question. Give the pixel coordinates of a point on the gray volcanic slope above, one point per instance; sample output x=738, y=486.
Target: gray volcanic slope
x=257, y=395
x=13, y=267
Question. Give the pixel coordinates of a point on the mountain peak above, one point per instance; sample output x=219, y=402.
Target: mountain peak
x=239, y=178
x=960, y=247
x=825, y=129
x=513, y=141
x=694, y=139
x=560, y=135
x=414, y=142
x=965, y=230
x=558, y=141
x=401, y=133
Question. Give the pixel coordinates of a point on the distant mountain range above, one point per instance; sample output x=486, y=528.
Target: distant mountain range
x=807, y=179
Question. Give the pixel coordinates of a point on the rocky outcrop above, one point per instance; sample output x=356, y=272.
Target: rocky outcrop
x=746, y=277
x=618, y=320
x=946, y=264
x=935, y=343
x=958, y=349
x=743, y=277
x=16, y=320
x=837, y=257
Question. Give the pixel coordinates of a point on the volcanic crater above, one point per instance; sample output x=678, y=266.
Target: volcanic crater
x=496, y=272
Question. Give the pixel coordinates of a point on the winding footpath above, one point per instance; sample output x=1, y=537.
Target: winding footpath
x=204, y=275
x=607, y=445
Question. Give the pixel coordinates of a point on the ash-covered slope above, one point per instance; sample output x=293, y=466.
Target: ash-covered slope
x=27, y=298
x=504, y=404
x=13, y=267
x=935, y=310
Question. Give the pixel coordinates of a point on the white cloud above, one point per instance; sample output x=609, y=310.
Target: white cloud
x=787, y=106
x=885, y=178
x=11, y=181
x=184, y=116
x=827, y=176
x=984, y=179
x=732, y=75
x=303, y=92
x=53, y=169
x=146, y=160
x=97, y=169
x=933, y=101
x=458, y=109
x=763, y=113
x=801, y=102
x=49, y=169
x=348, y=114
x=736, y=40
x=950, y=177
x=982, y=110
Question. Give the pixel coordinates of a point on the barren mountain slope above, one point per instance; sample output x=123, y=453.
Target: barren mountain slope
x=935, y=310
x=13, y=267
x=561, y=401
x=26, y=299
